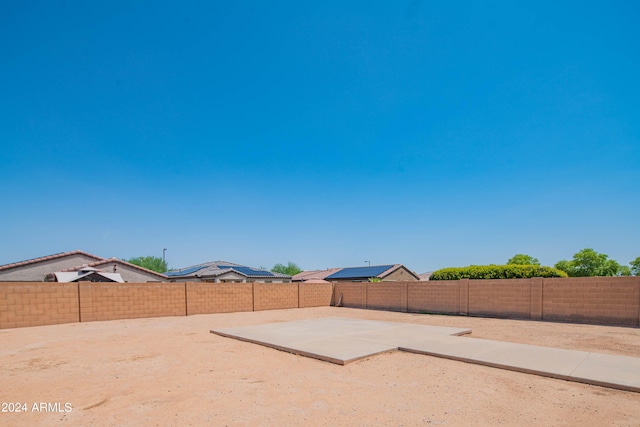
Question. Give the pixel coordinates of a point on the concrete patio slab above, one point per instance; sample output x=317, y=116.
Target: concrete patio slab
x=341, y=341
x=607, y=370
x=340, y=350
x=337, y=340
x=545, y=361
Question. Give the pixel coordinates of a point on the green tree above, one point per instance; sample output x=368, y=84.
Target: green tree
x=635, y=266
x=150, y=263
x=291, y=269
x=522, y=259
x=587, y=263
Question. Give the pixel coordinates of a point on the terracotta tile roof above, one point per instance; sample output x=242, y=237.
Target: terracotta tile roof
x=47, y=258
x=119, y=261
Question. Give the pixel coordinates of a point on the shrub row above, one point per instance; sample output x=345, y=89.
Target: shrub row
x=511, y=271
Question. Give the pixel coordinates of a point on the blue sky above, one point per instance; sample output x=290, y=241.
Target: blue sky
x=432, y=134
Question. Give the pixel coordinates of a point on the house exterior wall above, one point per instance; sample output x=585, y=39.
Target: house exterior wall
x=37, y=271
x=130, y=274
x=400, y=275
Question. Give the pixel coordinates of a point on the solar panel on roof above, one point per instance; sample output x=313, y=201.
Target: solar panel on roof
x=359, y=272
x=185, y=271
x=247, y=270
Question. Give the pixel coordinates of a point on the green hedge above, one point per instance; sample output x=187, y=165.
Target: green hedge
x=511, y=271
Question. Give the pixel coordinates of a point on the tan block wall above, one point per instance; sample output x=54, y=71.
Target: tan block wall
x=36, y=304
x=110, y=301
x=500, y=298
x=354, y=295
x=204, y=298
x=593, y=300
x=536, y=299
x=600, y=300
x=315, y=294
x=434, y=297
x=387, y=296
x=275, y=296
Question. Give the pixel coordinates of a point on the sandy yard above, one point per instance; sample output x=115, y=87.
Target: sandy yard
x=173, y=371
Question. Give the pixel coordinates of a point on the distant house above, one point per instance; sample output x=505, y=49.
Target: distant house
x=44, y=268
x=424, y=277
x=385, y=273
x=129, y=272
x=225, y=272
x=84, y=274
x=305, y=276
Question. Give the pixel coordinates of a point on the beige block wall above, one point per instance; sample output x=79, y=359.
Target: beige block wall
x=599, y=300
x=110, y=301
x=275, y=296
x=36, y=304
x=314, y=294
x=602, y=300
x=204, y=298
x=354, y=295
x=500, y=298
x=434, y=297
x=387, y=296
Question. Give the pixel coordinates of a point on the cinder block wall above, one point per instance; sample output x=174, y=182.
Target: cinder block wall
x=598, y=300
x=110, y=301
x=314, y=294
x=434, y=297
x=36, y=304
x=500, y=298
x=353, y=294
x=592, y=300
x=387, y=296
x=275, y=296
x=205, y=298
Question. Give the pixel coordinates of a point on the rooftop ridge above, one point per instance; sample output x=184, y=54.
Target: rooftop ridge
x=47, y=258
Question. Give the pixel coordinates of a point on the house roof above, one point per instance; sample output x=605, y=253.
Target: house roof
x=105, y=261
x=425, y=276
x=77, y=276
x=217, y=268
x=314, y=274
x=354, y=273
x=362, y=272
x=47, y=258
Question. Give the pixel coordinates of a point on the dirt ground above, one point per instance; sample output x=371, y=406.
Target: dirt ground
x=173, y=371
